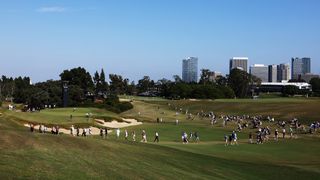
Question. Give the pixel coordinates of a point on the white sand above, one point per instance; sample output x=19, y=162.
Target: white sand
x=116, y=124
x=94, y=130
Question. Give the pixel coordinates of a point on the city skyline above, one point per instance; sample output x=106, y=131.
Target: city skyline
x=41, y=39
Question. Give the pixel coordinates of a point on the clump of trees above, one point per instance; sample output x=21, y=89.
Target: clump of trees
x=315, y=83
x=85, y=90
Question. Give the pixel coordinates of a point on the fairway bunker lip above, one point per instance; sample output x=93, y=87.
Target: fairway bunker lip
x=116, y=124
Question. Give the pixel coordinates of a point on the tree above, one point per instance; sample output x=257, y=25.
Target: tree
x=239, y=81
x=205, y=76
x=290, y=90
x=315, y=83
x=54, y=91
x=79, y=77
x=116, y=84
x=222, y=81
x=104, y=84
x=163, y=86
x=7, y=86
x=177, y=79
x=37, y=98
x=75, y=96
x=101, y=86
x=145, y=84
x=97, y=82
x=20, y=93
x=131, y=88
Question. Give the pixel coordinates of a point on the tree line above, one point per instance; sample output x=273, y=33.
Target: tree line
x=84, y=89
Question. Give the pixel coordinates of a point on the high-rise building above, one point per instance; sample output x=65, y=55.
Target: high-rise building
x=239, y=63
x=260, y=71
x=272, y=74
x=283, y=71
x=190, y=69
x=300, y=66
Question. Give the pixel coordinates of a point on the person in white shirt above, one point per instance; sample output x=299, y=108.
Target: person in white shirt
x=134, y=136
x=126, y=134
x=118, y=133
x=156, y=138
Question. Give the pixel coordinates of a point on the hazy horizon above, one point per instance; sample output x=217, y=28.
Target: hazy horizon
x=136, y=38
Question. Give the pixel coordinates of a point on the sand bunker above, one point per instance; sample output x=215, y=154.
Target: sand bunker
x=116, y=124
x=94, y=130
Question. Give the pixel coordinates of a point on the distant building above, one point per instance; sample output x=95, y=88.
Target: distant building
x=278, y=86
x=283, y=72
x=213, y=75
x=239, y=63
x=308, y=76
x=300, y=66
x=260, y=71
x=272, y=73
x=190, y=69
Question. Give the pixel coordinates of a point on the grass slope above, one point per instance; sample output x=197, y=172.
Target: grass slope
x=37, y=156
x=281, y=108
x=28, y=155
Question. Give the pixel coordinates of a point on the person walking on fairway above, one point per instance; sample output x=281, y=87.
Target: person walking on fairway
x=226, y=140
x=118, y=133
x=101, y=132
x=144, y=136
x=84, y=132
x=72, y=130
x=235, y=137
x=283, y=133
x=276, y=134
x=250, y=138
x=156, y=138
x=196, y=136
x=291, y=132
x=125, y=134
x=106, y=132
x=134, y=136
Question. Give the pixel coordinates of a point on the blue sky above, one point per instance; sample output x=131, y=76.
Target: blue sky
x=147, y=37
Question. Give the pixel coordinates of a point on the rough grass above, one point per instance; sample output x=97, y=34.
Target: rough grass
x=25, y=155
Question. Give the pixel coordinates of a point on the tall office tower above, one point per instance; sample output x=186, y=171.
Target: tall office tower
x=260, y=71
x=239, y=63
x=283, y=71
x=300, y=66
x=190, y=69
x=272, y=73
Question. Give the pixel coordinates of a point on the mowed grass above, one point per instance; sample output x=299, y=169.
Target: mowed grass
x=28, y=155
x=306, y=110
x=61, y=116
x=44, y=156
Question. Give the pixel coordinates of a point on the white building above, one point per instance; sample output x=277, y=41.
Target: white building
x=278, y=86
